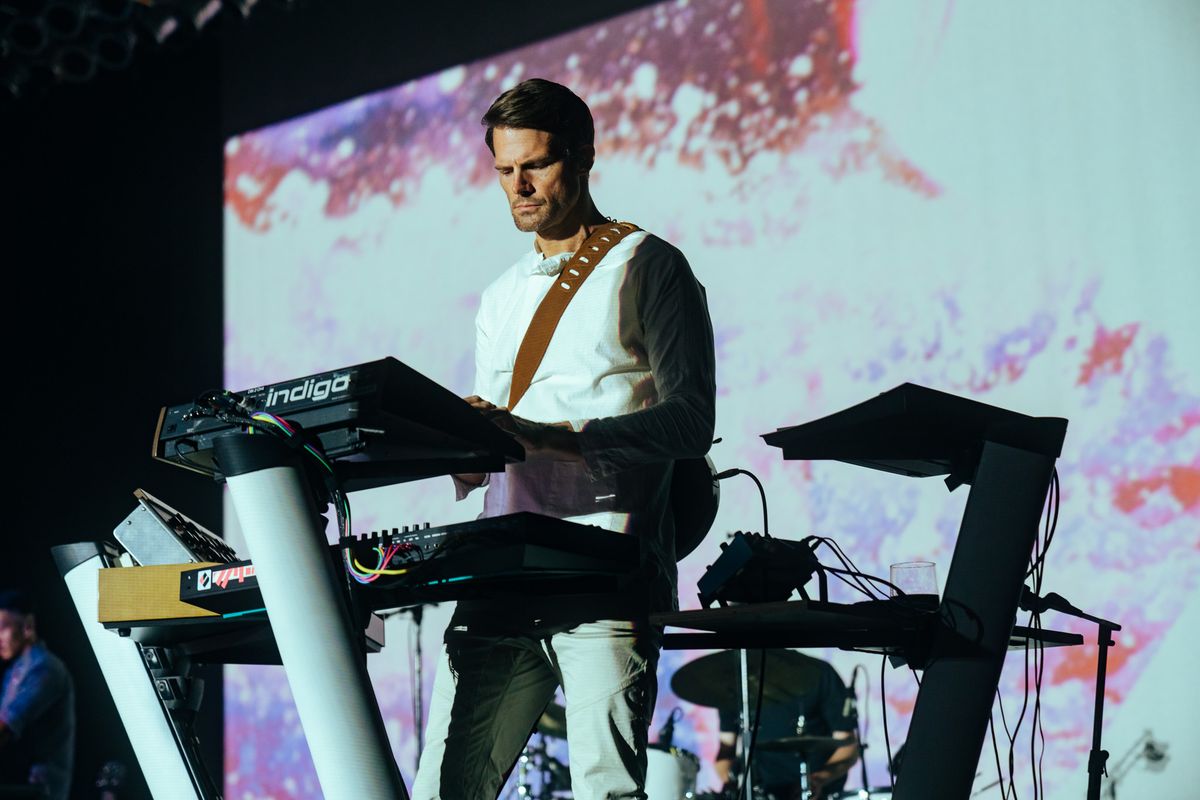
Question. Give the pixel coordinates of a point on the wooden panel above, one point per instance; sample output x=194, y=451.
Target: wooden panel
x=129, y=594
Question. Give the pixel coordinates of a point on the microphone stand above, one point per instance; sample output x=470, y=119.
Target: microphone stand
x=1097, y=757
x=862, y=745
x=745, y=668
x=418, y=613
x=1144, y=747
x=666, y=734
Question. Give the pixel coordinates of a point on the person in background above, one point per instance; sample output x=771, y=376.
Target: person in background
x=826, y=709
x=37, y=702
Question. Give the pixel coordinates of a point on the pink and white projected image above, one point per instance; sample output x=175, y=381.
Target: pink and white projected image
x=979, y=198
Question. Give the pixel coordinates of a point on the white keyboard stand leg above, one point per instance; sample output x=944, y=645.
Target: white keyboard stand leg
x=171, y=768
x=322, y=653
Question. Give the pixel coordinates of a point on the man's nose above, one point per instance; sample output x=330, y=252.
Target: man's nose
x=523, y=185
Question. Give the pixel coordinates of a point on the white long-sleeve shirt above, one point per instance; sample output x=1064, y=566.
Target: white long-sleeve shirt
x=630, y=367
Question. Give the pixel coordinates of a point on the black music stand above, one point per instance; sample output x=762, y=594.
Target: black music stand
x=1008, y=459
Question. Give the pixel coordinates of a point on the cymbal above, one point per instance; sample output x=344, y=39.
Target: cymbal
x=553, y=721
x=715, y=680
x=809, y=746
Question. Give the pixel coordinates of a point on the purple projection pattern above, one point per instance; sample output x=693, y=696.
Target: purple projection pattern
x=836, y=266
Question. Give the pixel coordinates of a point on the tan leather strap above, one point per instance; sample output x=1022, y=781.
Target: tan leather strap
x=550, y=311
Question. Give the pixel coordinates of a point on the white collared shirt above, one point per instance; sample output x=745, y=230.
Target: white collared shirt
x=630, y=367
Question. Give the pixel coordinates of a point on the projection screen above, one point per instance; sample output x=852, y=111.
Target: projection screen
x=996, y=200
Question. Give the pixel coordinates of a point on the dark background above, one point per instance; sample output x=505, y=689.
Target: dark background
x=111, y=252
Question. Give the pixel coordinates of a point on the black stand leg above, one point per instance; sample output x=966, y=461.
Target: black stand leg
x=978, y=609
x=1098, y=758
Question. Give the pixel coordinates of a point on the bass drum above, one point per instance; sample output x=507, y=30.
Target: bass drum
x=670, y=773
x=875, y=793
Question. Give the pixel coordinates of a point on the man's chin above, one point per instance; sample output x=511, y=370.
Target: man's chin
x=527, y=224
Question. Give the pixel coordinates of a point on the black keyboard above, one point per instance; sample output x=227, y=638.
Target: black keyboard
x=382, y=422
x=522, y=553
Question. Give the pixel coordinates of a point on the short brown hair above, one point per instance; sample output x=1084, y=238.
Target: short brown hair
x=543, y=105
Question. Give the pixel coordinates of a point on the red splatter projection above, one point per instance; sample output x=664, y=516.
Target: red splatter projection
x=1188, y=420
x=759, y=37
x=709, y=80
x=856, y=156
x=1107, y=352
x=1079, y=664
x=903, y=705
x=1183, y=482
x=249, y=206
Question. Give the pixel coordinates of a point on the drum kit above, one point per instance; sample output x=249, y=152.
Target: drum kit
x=671, y=773
x=539, y=773
x=717, y=680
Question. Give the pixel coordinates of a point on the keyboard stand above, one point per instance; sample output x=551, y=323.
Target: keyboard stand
x=313, y=625
x=155, y=692
x=1008, y=460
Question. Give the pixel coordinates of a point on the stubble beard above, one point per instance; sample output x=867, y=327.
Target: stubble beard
x=527, y=223
x=551, y=212
x=541, y=217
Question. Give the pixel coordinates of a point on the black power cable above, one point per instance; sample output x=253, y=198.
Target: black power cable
x=729, y=473
x=1037, y=572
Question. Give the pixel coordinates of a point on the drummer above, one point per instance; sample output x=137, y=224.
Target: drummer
x=823, y=708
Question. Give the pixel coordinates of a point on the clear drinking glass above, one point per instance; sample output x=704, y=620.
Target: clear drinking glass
x=917, y=580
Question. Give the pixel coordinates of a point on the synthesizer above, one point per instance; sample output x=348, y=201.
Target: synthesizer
x=523, y=552
x=381, y=422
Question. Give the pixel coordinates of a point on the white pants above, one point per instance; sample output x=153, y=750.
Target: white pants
x=489, y=692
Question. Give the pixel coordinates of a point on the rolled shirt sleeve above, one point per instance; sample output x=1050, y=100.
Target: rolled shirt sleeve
x=676, y=332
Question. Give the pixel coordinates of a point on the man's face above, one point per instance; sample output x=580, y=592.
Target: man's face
x=14, y=635
x=541, y=187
